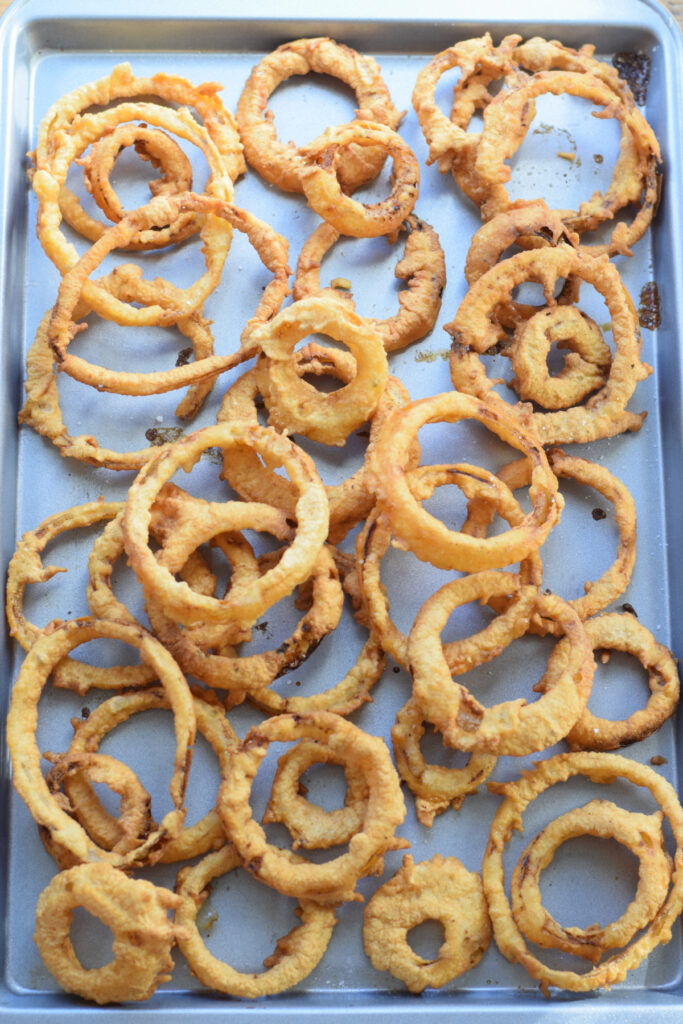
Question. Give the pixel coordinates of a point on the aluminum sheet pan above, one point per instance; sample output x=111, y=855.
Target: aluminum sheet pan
x=46, y=50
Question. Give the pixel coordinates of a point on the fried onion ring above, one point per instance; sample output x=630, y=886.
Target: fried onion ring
x=513, y=727
x=21, y=737
x=440, y=889
x=142, y=953
x=324, y=192
x=297, y=407
x=428, y=538
x=640, y=833
x=310, y=825
x=474, y=333
x=423, y=267
x=435, y=787
x=333, y=881
x=294, y=566
x=599, y=768
x=295, y=956
x=617, y=632
x=282, y=164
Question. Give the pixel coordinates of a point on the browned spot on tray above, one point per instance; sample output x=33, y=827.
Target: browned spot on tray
x=635, y=69
x=163, y=435
x=649, y=312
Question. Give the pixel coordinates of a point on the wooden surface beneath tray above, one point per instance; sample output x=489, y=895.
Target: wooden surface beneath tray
x=675, y=6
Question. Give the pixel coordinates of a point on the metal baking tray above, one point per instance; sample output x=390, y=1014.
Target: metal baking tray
x=47, y=49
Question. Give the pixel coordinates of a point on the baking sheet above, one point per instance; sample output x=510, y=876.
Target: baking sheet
x=46, y=53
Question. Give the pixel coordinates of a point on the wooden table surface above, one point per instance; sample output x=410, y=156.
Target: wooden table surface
x=675, y=6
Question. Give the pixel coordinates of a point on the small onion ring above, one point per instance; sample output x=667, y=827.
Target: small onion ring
x=140, y=965
x=297, y=407
x=192, y=840
x=600, y=768
x=423, y=267
x=617, y=632
x=21, y=736
x=440, y=889
x=324, y=193
x=333, y=881
x=295, y=956
x=310, y=825
x=435, y=787
x=640, y=833
x=424, y=535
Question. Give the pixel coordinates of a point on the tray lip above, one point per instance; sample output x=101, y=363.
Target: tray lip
x=651, y=1005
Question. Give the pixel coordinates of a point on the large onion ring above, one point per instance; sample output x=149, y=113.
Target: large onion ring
x=295, y=956
x=22, y=721
x=333, y=881
x=600, y=768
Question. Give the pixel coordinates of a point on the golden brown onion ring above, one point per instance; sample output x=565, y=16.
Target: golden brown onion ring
x=142, y=959
x=295, y=956
x=423, y=267
x=297, y=407
x=512, y=727
x=283, y=164
x=333, y=881
x=617, y=632
x=474, y=333
x=640, y=833
x=435, y=787
x=310, y=825
x=294, y=566
x=22, y=722
x=440, y=889
x=324, y=192
x=599, y=768
x=428, y=538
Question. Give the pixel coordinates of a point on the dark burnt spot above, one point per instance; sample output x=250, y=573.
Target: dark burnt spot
x=283, y=648
x=306, y=627
x=524, y=867
x=629, y=608
x=634, y=68
x=649, y=311
x=544, y=232
x=363, y=433
x=163, y=435
x=658, y=759
x=368, y=538
x=396, y=669
x=184, y=356
x=599, y=513
x=254, y=865
x=85, y=712
x=297, y=719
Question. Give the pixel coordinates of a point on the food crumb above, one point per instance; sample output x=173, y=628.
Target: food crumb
x=599, y=513
x=658, y=759
x=567, y=156
x=598, y=157
x=630, y=609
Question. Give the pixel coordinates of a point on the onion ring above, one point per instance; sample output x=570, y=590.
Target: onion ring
x=435, y=787
x=296, y=407
x=601, y=768
x=640, y=833
x=440, y=889
x=424, y=535
x=294, y=566
x=335, y=880
x=21, y=737
x=283, y=164
x=309, y=825
x=423, y=267
x=140, y=965
x=513, y=727
x=192, y=840
x=324, y=192
x=295, y=956
x=616, y=632
x=473, y=333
